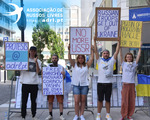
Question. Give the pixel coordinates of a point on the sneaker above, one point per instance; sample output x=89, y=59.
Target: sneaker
x=75, y=117
x=122, y=118
x=34, y=118
x=82, y=117
x=108, y=117
x=23, y=118
x=98, y=117
x=129, y=118
x=49, y=117
x=62, y=118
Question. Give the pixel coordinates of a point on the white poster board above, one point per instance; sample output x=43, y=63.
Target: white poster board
x=80, y=40
x=52, y=81
x=16, y=54
x=107, y=24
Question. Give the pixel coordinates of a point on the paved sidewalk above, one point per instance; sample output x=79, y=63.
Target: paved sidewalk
x=43, y=113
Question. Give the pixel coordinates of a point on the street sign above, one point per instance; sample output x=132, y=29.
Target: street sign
x=5, y=39
x=141, y=14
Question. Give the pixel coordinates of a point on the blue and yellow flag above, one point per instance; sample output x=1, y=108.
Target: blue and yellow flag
x=143, y=87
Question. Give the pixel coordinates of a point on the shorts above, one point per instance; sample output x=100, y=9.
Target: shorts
x=80, y=90
x=104, y=90
x=60, y=98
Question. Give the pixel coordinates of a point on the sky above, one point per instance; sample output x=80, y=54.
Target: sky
x=31, y=10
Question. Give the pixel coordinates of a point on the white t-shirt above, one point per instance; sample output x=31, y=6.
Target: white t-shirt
x=30, y=76
x=80, y=75
x=129, y=71
x=105, y=70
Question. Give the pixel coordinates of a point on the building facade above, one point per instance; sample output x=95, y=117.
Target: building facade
x=6, y=23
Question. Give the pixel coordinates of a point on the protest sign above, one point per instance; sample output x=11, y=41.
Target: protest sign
x=80, y=40
x=52, y=81
x=16, y=55
x=131, y=32
x=107, y=24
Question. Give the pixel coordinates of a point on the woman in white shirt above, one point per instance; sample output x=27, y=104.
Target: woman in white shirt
x=128, y=88
x=80, y=81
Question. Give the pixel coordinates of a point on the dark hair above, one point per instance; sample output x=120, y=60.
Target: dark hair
x=56, y=56
x=84, y=63
x=126, y=56
x=33, y=48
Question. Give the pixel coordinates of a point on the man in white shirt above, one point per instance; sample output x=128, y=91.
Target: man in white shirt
x=60, y=98
x=104, y=85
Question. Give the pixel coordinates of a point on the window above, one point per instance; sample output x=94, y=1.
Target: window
x=1, y=43
x=7, y=8
x=0, y=30
x=7, y=33
x=7, y=22
x=0, y=17
x=144, y=62
x=93, y=4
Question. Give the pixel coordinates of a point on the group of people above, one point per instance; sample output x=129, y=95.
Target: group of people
x=80, y=83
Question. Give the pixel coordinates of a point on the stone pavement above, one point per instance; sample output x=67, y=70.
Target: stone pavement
x=43, y=113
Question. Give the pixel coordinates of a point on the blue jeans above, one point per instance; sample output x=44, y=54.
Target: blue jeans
x=80, y=90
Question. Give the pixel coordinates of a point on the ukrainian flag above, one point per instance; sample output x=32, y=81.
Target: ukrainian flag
x=143, y=87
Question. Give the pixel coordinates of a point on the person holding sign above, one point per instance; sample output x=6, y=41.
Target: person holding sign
x=128, y=88
x=80, y=81
x=30, y=81
x=105, y=74
x=60, y=98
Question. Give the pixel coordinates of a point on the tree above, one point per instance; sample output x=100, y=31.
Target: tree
x=42, y=35
x=56, y=45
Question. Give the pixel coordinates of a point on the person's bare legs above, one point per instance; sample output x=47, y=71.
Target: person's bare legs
x=107, y=105
x=77, y=101
x=83, y=99
x=61, y=107
x=50, y=107
x=99, y=106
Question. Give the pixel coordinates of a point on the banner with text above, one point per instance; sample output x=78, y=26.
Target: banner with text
x=131, y=32
x=107, y=24
x=16, y=55
x=80, y=40
x=52, y=81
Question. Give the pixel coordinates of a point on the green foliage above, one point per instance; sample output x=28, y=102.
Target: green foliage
x=56, y=45
x=42, y=35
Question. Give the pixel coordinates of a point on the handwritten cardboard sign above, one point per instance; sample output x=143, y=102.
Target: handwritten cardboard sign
x=80, y=40
x=16, y=55
x=131, y=32
x=52, y=81
x=107, y=24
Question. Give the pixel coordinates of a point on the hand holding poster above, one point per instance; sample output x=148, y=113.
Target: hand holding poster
x=16, y=55
x=52, y=81
x=131, y=32
x=107, y=24
x=80, y=40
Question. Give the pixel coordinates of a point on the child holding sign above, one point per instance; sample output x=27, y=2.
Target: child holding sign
x=80, y=82
x=128, y=88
